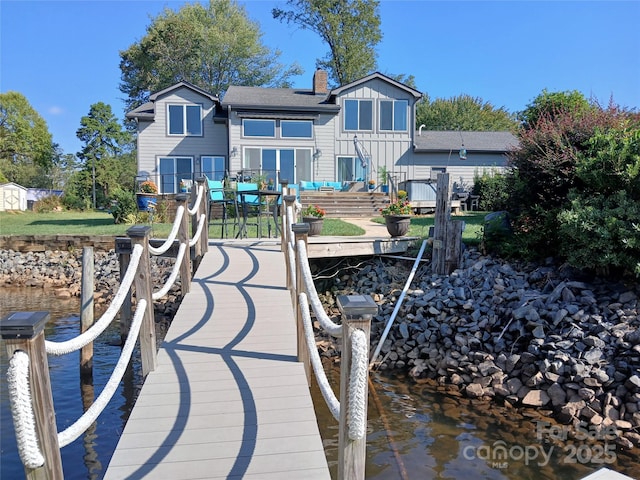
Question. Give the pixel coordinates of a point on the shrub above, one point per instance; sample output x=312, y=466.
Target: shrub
x=123, y=205
x=602, y=233
x=493, y=190
x=52, y=203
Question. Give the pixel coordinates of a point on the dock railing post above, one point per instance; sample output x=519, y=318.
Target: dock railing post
x=441, y=222
x=203, y=245
x=286, y=234
x=301, y=231
x=139, y=234
x=284, y=191
x=25, y=331
x=357, y=312
x=86, y=308
x=183, y=237
x=123, y=249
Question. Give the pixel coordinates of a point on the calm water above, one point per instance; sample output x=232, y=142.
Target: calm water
x=414, y=432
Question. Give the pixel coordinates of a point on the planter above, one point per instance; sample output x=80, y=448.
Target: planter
x=146, y=201
x=372, y=187
x=397, y=225
x=315, y=225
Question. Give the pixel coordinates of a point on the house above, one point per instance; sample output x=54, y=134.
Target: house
x=12, y=197
x=344, y=136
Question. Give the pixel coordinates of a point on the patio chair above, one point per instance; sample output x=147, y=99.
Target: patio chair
x=220, y=201
x=250, y=205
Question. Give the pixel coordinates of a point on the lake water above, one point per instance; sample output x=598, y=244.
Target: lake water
x=414, y=431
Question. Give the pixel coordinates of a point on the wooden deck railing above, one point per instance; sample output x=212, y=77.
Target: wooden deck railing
x=22, y=333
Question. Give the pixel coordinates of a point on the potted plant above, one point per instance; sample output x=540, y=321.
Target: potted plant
x=146, y=197
x=313, y=215
x=397, y=215
x=372, y=184
x=383, y=174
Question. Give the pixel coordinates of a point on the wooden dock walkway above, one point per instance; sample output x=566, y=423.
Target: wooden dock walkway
x=228, y=398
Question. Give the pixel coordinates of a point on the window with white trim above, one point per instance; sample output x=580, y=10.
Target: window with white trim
x=358, y=114
x=172, y=171
x=258, y=128
x=393, y=115
x=184, y=120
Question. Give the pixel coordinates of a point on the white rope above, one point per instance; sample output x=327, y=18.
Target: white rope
x=196, y=236
x=321, y=377
x=62, y=348
x=291, y=255
x=194, y=209
x=325, y=322
x=22, y=410
x=358, y=385
x=174, y=274
x=172, y=236
x=84, y=422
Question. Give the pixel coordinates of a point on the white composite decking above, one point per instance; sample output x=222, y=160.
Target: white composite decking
x=228, y=398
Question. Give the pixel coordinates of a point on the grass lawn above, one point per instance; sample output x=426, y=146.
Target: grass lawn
x=471, y=235
x=101, y=223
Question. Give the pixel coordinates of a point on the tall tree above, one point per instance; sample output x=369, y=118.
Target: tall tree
x=103, y=138
x=350, y=28
x=550, y=105
x=210, y=46
x=26, y=150
x=463, y=113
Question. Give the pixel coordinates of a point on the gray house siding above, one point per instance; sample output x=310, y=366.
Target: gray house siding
x=154, y=141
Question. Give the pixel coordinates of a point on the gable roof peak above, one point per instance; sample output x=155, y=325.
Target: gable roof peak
x=380, y=76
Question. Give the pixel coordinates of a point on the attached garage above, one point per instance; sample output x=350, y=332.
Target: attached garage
x=12, y=197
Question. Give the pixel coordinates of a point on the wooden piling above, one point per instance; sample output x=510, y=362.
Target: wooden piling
x=86, y=308
x=184, y=237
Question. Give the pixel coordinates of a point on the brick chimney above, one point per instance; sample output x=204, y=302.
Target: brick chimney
x=320, y=82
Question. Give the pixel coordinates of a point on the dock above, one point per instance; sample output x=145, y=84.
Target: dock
x=228, y=398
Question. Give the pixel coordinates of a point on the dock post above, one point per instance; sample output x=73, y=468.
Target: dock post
x=301, y=231
x=86, y=308
x=286, y=234
x=357, y=312
x=203, y=245
x=447, y=233
x=123, y=250
x=284, y=191
x=25, y=331
x=183, y=237
x=139, y=234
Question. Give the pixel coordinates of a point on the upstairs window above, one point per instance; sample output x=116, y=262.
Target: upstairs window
x=296, y=129
x=393, y=115
x=185, y=120
x=258, y=128
x=358, y=115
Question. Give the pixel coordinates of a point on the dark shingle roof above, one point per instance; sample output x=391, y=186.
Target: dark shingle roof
x=432, y=140
x=147, y=111
x=252, y=98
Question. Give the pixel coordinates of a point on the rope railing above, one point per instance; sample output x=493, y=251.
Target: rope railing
x=23, y=332
x=357, y=311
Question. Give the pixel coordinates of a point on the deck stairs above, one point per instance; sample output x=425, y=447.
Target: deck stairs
x=346, y=204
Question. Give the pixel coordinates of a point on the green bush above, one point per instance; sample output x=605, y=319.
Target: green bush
x=72, y=201
x=493, y=191
x=123, y=205
x=602, y=233
x=52, y=203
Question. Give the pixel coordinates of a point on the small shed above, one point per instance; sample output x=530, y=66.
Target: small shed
x=12, y=197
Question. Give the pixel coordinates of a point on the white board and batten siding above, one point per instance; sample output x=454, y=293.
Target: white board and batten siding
x=154, y=141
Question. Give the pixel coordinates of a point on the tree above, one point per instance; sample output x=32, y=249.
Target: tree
x=26, y=150
x=350, y=28
x=210, y=46
x=549, y=105
x=463, y=112
x=103, y=138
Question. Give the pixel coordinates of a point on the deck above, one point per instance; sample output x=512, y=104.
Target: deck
x=228, y=398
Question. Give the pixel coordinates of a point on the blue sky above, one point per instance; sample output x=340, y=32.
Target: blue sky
x=63, y=56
